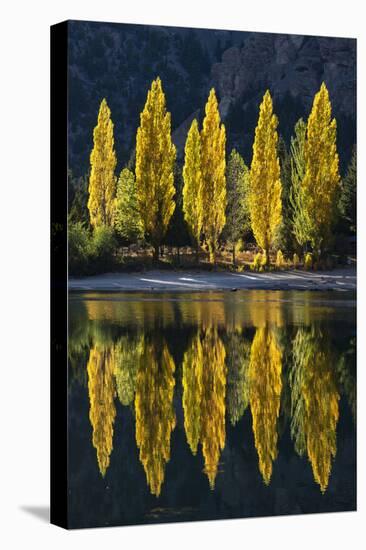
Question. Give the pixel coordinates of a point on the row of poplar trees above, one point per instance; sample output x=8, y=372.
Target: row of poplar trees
x=217, y=199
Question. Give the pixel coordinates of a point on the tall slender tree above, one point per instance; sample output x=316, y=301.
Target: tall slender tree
x=126, y=217
x=102, y=180
x=347, y=200
x=155, y=158
x=192, y=189
x=237, y=208
x=213, y=164
x=265, y=184
x=321, y=183
x=300, y=219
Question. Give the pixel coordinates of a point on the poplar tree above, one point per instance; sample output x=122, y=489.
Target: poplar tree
x=320, y=185
x=102, y=181
x=265, y=202
x=127, y=219
x=155, y=157
x=192, y=189
x=213, y=164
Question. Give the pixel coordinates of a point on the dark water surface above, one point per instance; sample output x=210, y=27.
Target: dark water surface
x=210, y=405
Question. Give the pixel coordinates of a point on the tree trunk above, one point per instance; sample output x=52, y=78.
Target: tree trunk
x=212, y=252
x=197, y=254
x=178, y=254
x=234, y=259
x=156, y=253
x=266, y=251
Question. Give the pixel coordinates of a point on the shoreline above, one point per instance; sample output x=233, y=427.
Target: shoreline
x=156, y=281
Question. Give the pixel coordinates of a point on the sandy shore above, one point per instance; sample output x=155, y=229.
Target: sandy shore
x=195, y=280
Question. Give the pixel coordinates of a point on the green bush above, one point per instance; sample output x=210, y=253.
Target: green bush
x=308, y=261
x=295, y=260
x=80, y=248
x=104, y=246
x=90, y=253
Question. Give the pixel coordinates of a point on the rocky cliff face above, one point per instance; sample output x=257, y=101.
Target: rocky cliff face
x=120, y=61
x=292, y=67
x=288, y=64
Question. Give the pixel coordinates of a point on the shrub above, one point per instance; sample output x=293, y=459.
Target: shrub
x=79, y=247
x=308, y=261
x=104, y=245
x=263, y=262
x=295, y=260
x=280, y=260
x=259, y=262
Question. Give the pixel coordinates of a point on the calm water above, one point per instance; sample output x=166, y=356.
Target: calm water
x=210, y=405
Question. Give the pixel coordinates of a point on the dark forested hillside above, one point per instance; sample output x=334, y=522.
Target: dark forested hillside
x=120, y=61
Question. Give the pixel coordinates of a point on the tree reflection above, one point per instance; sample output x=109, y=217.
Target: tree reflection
x=192, y=392
x=155, y=417
x=127, y=353
x=101, y=387
x=315, y=400
x=204, y=386
x=265, y=385
x=237, y=361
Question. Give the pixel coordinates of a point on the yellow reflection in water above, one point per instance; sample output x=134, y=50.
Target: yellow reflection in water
x=192, y=391
x=101, y=387
x=204, y=386
x=155, y=417
x=265, y=367
x=315, y=398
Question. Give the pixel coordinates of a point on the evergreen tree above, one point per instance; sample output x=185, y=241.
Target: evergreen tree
x=155, y=157
x=102, y=181
x=213, y=164
x=320, y=185
x=78, y=198
x=237, y=208
x=285, y=238
x=177, y=234
x=192, y=189
x=300, y=219
x=347, y=200
x=126, y=218
x=265, y=185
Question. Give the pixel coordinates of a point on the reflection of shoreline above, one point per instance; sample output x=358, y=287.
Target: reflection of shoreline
x=204, y=281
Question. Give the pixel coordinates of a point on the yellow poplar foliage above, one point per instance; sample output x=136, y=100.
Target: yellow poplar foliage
x=102, y=181
x=315, y=403
x=265, y=387
x=101, y=387
x=213, y=432
x=265, y=202
x=155, y=417
x=213, y=165
x=321, y=181
x=192, y=189
x=155, y=158
x=192, y=392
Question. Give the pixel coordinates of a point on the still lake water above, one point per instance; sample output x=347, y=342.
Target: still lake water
x=210, y=405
